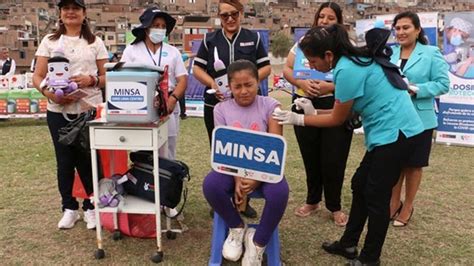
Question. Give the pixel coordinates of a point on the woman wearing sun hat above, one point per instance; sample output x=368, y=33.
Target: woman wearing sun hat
x=149, y=48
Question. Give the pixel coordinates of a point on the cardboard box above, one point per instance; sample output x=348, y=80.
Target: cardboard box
x=3, y=101
x=19, y=102
x=38, y=103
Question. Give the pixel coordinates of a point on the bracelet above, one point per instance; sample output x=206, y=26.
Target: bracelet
x=174, y=96
x=97, y=81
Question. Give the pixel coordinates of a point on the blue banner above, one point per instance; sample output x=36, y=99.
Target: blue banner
x=301, y=69
x=250, y=154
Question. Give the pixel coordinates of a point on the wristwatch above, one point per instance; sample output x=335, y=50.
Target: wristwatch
x=174, y=96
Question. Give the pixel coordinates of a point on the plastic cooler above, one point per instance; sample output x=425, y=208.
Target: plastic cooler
x=130, y=90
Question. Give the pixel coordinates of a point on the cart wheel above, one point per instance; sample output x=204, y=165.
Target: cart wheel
x=99, y=254
x=157, y=257
x=171, y=235
x=116, y=235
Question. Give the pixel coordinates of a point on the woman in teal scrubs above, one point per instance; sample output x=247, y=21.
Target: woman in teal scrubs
x=390, y=123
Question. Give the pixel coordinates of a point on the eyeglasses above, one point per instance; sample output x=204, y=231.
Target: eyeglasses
x=226, y=16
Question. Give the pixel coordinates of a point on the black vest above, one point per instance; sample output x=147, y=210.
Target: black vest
x=6, y=66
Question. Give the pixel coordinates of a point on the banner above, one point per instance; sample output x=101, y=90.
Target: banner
x=361, y=27
x=248, y=153
x=195, y=90
x=301, y=68
x=428, y=20
x=18, y=98
x=299, y=33
x=22, y=103
x=456, y=108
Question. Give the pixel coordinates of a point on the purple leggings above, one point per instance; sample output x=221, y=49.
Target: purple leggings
x=219, y=190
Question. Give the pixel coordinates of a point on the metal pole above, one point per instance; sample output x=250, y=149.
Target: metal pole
x=37, y=28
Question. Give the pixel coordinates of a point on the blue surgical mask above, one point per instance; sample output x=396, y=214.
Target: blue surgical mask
x=456, y=40
x=157, y=35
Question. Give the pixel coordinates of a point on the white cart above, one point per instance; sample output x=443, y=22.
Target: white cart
x=113, y=136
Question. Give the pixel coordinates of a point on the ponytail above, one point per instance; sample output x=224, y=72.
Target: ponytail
x=333, y=38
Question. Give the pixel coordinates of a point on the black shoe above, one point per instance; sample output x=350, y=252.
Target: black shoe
x=336, y=249
x=357, y=262
x=183, y=116
x=249, y=212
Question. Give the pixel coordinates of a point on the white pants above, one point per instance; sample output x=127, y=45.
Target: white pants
x=173, y=130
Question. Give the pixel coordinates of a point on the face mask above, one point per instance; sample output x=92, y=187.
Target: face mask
x=456, y=40
x=157, y=35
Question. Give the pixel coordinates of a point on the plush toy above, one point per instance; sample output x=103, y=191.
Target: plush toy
x=111, y=191
x=57, y=79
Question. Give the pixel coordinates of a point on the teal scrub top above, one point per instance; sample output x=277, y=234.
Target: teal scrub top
x=384, y=109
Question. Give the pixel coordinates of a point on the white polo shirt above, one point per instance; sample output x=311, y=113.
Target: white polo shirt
x=170, y=55
x=83, y=60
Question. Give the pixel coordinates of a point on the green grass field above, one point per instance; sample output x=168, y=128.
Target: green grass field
x=441, y=231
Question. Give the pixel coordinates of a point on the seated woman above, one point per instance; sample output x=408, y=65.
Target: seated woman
x=250, y=111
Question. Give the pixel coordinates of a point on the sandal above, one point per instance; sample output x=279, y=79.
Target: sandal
x=307, y=209
x=397, y=212
x=340, y=218
x=400, y=223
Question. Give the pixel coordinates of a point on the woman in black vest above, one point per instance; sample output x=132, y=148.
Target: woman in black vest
x=232, y=43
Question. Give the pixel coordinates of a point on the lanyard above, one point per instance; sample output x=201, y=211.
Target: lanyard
x=151, y=56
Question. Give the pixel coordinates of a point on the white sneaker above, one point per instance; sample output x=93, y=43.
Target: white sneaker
x=233, y=245
x=89, y=218
x=253, y=254
x=70, y=217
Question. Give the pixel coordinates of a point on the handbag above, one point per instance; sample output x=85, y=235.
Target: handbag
x=173, y=178
x=76, y=132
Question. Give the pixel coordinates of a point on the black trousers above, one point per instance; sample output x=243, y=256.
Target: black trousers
x=324, y=152
x=69, y=158
x=182, y=105
x=372, y=187
x=209, y=121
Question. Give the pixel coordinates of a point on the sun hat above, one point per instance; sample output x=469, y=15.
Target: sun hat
x=77, y=2
x=146, y=19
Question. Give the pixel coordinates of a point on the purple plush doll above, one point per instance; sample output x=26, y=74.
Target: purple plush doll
x=58, y=76
x=111, y=190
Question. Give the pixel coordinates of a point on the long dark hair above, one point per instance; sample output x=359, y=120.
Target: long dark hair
x=333, y=38
x=86, y=32
x=240, y=65
x=335, y=7
x=416, y=22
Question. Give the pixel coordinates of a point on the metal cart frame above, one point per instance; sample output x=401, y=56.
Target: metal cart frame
x=113, y=136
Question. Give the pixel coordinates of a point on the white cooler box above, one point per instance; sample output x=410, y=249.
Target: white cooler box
x=130, y=90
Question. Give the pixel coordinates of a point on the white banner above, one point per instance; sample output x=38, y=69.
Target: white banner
x=456, y=108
